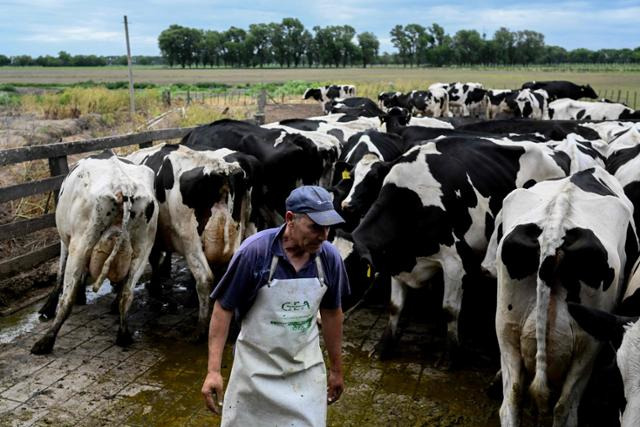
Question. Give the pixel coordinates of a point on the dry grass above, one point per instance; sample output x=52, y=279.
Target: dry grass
x=381, y=78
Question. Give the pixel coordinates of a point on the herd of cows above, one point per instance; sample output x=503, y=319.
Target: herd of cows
x=547, y=207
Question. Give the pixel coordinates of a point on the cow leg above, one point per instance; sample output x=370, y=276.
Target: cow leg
x=204, y=278
x=451, y=302
x=125, y=297
x=72, y=280
x=154, y=286
x=48, y=310
x=115, y=304
x=511, y=368
x=81, y=292
x=390, y=336
x=565, y=413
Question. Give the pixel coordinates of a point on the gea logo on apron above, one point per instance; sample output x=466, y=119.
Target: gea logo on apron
x=296, y=306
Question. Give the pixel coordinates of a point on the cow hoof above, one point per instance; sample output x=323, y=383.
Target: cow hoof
x=124, y=338
x=43, y=346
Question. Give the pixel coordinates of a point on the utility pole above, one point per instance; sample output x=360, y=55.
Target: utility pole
x=132, y=103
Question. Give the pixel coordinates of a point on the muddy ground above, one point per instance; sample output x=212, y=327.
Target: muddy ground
x=88, y=381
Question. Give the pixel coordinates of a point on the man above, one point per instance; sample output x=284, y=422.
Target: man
x=276, y=282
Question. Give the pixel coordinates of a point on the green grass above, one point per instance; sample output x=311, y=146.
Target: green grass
x=609, y=79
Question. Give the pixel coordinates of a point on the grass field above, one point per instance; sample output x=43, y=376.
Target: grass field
x=371, y=79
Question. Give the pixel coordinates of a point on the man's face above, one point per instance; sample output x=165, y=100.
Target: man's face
x=305, y=233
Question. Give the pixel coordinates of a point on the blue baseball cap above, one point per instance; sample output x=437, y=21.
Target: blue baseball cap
x=316, y=203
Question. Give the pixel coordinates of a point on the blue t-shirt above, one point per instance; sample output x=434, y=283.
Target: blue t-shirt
x=249, y=270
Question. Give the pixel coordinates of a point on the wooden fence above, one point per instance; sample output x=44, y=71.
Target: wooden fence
x=58, y=167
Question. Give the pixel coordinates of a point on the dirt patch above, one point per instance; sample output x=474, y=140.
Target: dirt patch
x=278, y=112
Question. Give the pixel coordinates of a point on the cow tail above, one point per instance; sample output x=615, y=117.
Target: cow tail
x=551, y=256
x=124, y=203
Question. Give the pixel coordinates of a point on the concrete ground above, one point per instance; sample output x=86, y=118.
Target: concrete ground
x=89, y=381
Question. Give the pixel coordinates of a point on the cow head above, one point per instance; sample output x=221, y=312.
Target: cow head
x=587, y=91
x=396, y=119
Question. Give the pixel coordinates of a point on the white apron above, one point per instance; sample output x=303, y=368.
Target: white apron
x=278, y=376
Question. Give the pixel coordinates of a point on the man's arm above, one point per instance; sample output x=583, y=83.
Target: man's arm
x=332, y=333
x=218, y=331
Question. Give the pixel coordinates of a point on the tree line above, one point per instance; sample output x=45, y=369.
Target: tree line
x=64, y=59
x=289, y=44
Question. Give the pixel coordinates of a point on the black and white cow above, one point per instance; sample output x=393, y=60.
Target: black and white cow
x=205, y=211
x=326, y=138
x=435, y=213
x=553, y=129
x=562, y=89
x=106, y=217
x=467, y=98
x=623, y=333
x=497, y=105
x=396, y=120
x=396, y=99
x=569, y=109
x=287, y=159
x=623, y=162
x=356, y=106
x=563, y=240
x=327, y=93
x=433, y=102
x=529, y=104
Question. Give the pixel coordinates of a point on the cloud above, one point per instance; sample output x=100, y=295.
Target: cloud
x=73, y=34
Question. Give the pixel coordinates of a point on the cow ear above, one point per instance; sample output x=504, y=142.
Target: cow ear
x=600, y=324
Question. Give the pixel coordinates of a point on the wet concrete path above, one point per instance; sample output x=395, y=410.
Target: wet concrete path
x=89, y=381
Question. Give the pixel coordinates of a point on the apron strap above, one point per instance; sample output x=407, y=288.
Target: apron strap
x=321, y=274
x=272, y=270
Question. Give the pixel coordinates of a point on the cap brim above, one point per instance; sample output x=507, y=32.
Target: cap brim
x=325, y=218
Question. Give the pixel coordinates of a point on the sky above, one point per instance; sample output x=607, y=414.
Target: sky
x=45, y=27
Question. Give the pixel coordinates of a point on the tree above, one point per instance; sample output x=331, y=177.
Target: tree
x=437, y=34
x=325, y=44
x=418, y=42
x=503, y=46
x=258, y=43
x=180, y=45
x=292, y=30
x=369, y=45
x=345, y=50
x=64, y=58
x=401, y=42
x=4, y=60
x=468, y=46
x=22, y=60
x=278, y=43
x=235, y=48
x=211, y=48
x=529, y=46
x=310, y=48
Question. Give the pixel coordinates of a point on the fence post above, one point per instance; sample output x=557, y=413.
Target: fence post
x=619, y=95
x=635, y=97
x=262, y=102
x=188, y=97
x=58, y=166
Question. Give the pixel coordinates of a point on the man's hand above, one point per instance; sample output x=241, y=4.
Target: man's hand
x=212, y=392
x=335, y=386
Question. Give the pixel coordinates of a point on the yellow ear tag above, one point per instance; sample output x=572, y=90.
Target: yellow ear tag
x=346, y=174
x=369, y=271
